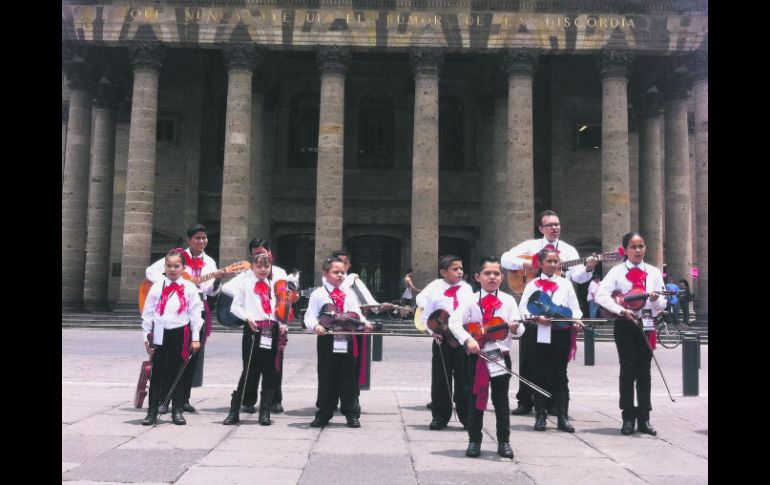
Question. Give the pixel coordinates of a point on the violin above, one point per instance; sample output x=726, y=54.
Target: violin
x=540, y=304
x=438, y=323
x=144, y=375
x=634, y=300
x=491, y=331
x=331, y=319
x=285, y=295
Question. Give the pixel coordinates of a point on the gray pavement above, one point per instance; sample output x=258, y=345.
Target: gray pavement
x=103, y=440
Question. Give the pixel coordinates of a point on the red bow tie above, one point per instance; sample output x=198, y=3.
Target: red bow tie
x=164, y=296
x=195, y=264
x=452, y=291
x=263, y=291
x=489, y=304
x=338, y=297
x=637, y=277
x=547, y=285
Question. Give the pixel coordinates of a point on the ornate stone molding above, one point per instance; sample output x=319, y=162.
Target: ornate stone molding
x=65, y=112
x=241, y=57
x=521, y=62
x=105, y=94
x=698, y=65
x=75, y=66
x=614, y=63
x=675, y=86
x=649, y=105
x=426, y=61
x=333, y=59
x=146, y=55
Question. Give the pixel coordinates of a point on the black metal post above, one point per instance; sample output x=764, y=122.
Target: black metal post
x=588, y=339
x=690, y=351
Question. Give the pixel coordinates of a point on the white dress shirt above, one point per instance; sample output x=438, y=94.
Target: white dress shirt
x=470, y=311
x=170, y=318
x=246, y=303
x=616, y=280
x=227, y=288
x=564, y=295
x=510, y=259
x=432, y=298
x=155, y=271
x=320, y=297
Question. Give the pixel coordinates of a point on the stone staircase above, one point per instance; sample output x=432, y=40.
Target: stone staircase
x=123, y=320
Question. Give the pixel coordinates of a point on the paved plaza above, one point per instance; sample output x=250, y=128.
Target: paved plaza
x=103, y=440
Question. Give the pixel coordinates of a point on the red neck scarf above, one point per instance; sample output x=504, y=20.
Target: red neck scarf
x=547, y=285
x=195, y=264
x=164, y=296
x=637, y=277
x=338, y=297
x=452, y=291
x=489, y=304
x=263, y=291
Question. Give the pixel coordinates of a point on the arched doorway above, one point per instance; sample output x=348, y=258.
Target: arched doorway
x=377, y=261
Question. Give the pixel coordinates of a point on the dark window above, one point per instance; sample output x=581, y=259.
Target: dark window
x=375, y=136
x=304, y=119
x=588, y=135
x=166, y=131
x=450, y=134
x=297, y=251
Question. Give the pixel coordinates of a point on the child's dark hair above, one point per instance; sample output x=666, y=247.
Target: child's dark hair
x=340, y=253
x=488, y=259
x=195, y=228
x=176, y=252
x=259, y=242
x=444, y=262
x=541, y=257
x=627, y=239
x=328, y=262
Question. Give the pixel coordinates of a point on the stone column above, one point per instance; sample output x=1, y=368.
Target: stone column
x=650, y=179
x=100, y=199
x=426, y=64
x=616, y=194
x=333, y=64
x=261, y=173
x=65, y=111
x=74, y=193
x=519, y=192
x=233, y=243
x=486, y=243
x=499, y=150
x=678, y=253
x=140, y=177
x=699, y=69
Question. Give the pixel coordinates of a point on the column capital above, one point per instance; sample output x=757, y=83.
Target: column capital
x=614, y=63
x=519, y=62
x=243, y=57
x=649, y=105
x=105, y=94
x=77, y=70
x=698, y=65
x=146, y=55
x=333, y=59
x=426, y=60
x=675, y=86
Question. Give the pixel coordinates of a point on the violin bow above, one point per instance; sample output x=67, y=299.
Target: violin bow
x=248, y=366
x=525, y=381
x=638, y=324
x=446, y=377
x=176, y=380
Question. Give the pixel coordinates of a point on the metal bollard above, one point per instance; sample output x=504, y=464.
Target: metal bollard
x=690, y=351
x=368, y=375
x=377, y=348
x=589, y=335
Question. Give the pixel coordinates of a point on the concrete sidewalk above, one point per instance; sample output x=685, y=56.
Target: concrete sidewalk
x=103, y=440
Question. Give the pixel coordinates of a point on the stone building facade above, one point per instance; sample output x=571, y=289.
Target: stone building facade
x=398, y=129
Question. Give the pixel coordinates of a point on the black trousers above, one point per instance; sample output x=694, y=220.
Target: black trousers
x=166, y=364
x=250, y=396
x=527, y=342
x=499, y=395
x=262, y=361
x=550, y=363
x=444, y=372
x=635, y=358
x=337, y=380
x=193, y=374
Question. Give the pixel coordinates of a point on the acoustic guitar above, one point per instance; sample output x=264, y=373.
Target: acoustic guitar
x=518, y=279
x=238, y=267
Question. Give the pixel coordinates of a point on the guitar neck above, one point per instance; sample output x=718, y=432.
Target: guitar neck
x=573, y=262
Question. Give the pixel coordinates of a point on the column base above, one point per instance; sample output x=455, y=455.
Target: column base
x=125, y=307
x=72, y=307
x=96, y=306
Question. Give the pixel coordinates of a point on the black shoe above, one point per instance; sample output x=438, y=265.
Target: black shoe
x=232, y=418
x=353, y=422
x=187, y=407
x=504, y=450
x=474, y=449
x=644, y=426
x=628, y=426
x=177, y=418
x=436, y=424
x=521, y=410
x=277, y=408
x=151, y=418
x=249, y=409
x=319, y=423
x=540, y=421
x=563, y=424
x=162, y=409
x=264, y=414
